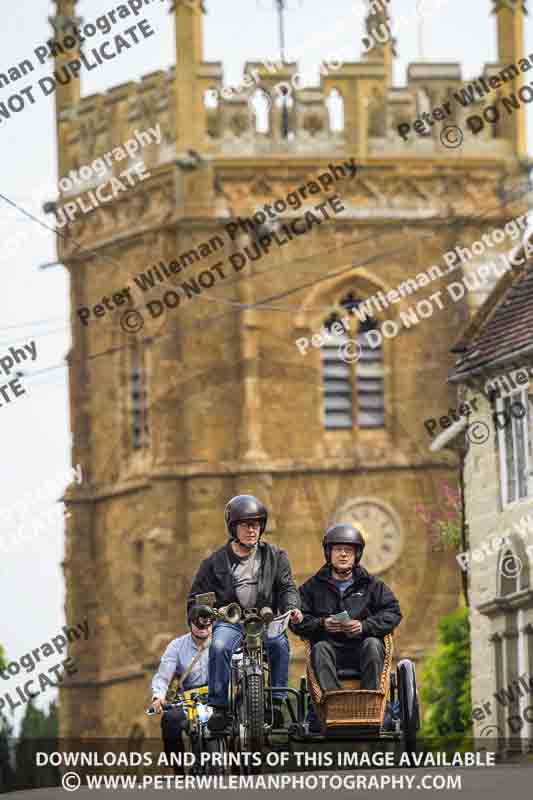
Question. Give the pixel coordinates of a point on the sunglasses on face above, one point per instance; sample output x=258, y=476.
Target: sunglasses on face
x=252, y=525
x=202, y=624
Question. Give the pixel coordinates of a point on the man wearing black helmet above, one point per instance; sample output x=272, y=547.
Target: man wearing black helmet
x=254, y=574
x=372, y=611
x=185, y=659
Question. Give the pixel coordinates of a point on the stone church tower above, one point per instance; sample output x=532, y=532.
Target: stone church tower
x=212, y=397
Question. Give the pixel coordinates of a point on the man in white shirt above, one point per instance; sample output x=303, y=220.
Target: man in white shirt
x=186, y=658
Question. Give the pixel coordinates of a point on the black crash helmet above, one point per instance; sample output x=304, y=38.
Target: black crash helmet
x=243, y=508
x=201, y=616
x=343, y=534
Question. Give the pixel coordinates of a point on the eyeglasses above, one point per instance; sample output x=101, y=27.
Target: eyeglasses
x=202, y=624
x=253, y=524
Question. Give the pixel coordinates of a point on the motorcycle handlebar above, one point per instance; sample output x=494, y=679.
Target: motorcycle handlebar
x=234, y=613
x=150, y=711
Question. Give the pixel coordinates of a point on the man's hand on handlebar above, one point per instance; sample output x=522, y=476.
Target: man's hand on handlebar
x=157, y=704
x=296, y=616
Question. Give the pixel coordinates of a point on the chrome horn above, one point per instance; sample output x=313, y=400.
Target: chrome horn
x=231, y=613
x=267, y=615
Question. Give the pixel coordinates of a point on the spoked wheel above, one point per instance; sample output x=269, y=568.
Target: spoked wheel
x=189, y=747
x=255, y=714
x=218, y=760
x=409, y=710
x=249, y=723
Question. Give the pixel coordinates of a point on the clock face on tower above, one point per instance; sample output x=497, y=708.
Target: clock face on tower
x=382, y=530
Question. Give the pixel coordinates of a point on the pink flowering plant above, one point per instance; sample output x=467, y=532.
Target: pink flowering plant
x=445, y=524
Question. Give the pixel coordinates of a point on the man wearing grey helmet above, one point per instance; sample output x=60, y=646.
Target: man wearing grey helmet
x=369, y=607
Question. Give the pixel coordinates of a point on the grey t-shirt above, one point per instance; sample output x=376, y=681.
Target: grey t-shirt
x=245, y=572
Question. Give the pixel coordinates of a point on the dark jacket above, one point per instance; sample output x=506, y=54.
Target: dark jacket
x=276, y=587
x=368, y=599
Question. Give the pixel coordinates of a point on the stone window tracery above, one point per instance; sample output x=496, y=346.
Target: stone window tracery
x=353, y=372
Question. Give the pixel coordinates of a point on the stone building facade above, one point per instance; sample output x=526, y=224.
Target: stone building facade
x=212, y=397
x=495, y=366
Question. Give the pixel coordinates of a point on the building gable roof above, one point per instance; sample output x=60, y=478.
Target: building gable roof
x=501, y=329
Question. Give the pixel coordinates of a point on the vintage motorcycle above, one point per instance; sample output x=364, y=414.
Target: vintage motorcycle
x=250, y=691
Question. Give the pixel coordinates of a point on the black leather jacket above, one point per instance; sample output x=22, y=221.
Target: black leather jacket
x=368, y=599
x=276, y=587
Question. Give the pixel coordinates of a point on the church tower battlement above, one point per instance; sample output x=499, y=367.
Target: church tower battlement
x=179, y=100
x=355, y=109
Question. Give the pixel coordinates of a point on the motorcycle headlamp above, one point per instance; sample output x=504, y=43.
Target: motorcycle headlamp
x=253, y=626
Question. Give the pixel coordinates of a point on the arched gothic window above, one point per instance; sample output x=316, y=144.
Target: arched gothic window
x=513, y=646
x=353, y=384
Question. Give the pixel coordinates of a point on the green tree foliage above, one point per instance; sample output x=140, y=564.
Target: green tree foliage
x=6, y=732
x=445, y=682
x=38, y=724
x=38, y=732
